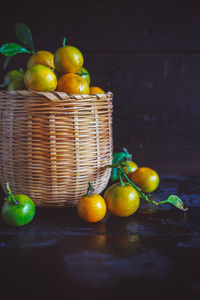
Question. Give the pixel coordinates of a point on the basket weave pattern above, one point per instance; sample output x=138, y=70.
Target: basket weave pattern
x=52, y=144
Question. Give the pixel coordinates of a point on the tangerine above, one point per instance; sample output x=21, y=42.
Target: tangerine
x=71, y=83
x=17, y=84
x=96, y=90
x=91, y=208
x=68, y=59
x=17, y=210
x=13, y=75
x=41, y=57
x=145, y=178
x=122, y=200
x=84, y=73
x=40, y=78
x=132, y=166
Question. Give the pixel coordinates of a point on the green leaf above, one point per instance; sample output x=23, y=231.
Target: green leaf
x=64, y=41
x=24, y=35
x=6, y=62
x=11, y=49
x=176, y=201
x=128, y=155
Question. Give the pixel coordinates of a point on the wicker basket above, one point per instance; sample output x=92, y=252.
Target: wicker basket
x=52, y=144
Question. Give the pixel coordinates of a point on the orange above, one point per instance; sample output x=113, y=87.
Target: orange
x=13, y=75
x=68, y=59
x=145, y=178
x=91, y=208
x=96, y=90
x=41, y=57
x=72, y=84
x=84, y=73
x=17, y=84
x=132, y=166
x=122, y=200
x=40, y=78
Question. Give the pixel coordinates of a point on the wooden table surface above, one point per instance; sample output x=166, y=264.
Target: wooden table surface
x=153, y=253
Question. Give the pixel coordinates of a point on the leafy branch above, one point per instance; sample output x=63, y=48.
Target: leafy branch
x=172, y=199
x=24, y=35
x=10, y=49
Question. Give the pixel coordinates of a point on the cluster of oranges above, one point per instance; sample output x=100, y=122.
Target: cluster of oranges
x=121, y=198
x=47, y=72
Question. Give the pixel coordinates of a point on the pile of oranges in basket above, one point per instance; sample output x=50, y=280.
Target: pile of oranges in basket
x=62, y=71
x=45, y=71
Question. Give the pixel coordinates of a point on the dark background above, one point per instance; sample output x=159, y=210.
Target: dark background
x=146, y=52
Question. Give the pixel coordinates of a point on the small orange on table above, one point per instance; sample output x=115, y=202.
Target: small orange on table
x=122, y=199
x=129, y=166
x=91, y=207
x=145, y=178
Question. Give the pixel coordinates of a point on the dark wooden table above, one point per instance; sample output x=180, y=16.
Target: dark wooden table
x=153, y=253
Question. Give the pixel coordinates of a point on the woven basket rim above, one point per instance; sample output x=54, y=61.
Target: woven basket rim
x=55, y=95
